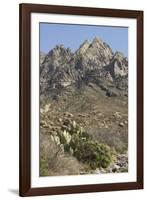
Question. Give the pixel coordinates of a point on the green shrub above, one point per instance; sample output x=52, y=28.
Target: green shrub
x=93, y=153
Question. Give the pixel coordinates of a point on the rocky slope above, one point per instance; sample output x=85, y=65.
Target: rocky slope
x=83, y=110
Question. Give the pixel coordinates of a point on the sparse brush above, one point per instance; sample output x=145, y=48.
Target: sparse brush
x=54, y=162
x=113, y=138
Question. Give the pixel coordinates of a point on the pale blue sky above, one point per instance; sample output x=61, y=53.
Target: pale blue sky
x=73, y=36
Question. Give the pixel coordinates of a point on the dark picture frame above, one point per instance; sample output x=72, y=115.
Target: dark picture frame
x=25, y=99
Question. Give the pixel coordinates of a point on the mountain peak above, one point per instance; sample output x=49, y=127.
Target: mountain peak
x=99, y=44
x=61, y=46
x=42, y=57
x=58, y=51
x=97, y=40
x=118, y=54
x=83, y=47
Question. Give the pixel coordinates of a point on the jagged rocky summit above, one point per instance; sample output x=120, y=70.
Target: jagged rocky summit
x=42, y=57
x=94, y=64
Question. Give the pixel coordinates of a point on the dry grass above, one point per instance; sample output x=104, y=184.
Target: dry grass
x=53, y=162
x=112, y=137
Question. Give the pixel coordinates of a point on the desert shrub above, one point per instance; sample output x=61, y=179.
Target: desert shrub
x=93, y=153
x=78, y=142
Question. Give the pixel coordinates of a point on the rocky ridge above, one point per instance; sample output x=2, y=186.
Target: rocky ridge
x=41, y=57
x=94, y=62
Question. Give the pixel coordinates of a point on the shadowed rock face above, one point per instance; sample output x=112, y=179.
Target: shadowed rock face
x=93, y=63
